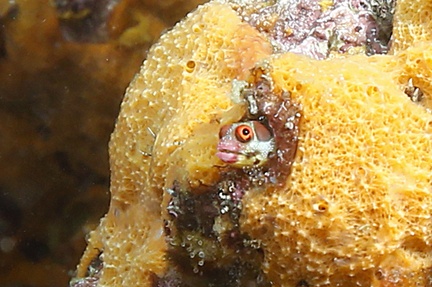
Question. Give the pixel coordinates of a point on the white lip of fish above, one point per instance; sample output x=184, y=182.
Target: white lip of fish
x=228, y=151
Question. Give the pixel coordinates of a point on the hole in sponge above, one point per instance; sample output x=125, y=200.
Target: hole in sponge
x=190, y=66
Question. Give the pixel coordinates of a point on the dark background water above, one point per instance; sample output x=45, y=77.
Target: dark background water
x=64, y=66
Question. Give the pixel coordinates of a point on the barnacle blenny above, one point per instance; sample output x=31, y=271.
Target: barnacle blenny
x=245, y=143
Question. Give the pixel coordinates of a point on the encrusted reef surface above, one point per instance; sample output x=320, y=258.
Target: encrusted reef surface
x=237, y=161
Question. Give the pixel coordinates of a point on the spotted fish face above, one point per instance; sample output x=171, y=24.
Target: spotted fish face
x=245, y=143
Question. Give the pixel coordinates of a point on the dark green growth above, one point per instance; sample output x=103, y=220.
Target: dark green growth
x=206, y=247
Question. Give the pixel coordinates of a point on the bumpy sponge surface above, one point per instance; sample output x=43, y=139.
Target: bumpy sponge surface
x=355, y=210
x=168, y=130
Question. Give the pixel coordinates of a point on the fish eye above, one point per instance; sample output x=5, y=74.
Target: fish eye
x=244, y=133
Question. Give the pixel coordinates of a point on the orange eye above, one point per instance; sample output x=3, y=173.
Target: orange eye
x=244, y=133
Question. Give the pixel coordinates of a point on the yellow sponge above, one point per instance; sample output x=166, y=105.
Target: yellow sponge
x=356, y=208
x=168, y=129
x=412, y=23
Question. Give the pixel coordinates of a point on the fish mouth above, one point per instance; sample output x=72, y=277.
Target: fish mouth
x=228, y=151
x=238, y=159
x=227, y=156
